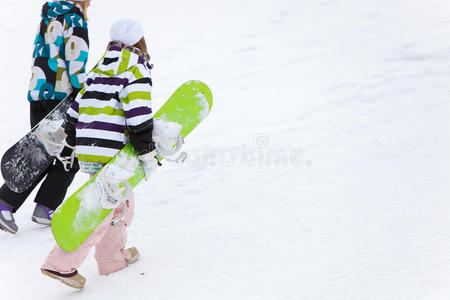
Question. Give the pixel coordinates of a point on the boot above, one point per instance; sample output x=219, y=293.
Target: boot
x=73, y=279
x=42, y=215
x=134, y=255
x=7, y=221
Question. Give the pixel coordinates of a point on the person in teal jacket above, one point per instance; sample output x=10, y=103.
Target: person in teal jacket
x=59, y=61
x=60, y=51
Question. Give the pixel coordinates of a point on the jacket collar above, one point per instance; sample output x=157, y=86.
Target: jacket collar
x=130, y=48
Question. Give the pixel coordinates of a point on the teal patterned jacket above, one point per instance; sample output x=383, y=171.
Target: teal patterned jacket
x=60, y=52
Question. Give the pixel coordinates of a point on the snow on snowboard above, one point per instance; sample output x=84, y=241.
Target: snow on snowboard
x=82, y=212
x=27, y=160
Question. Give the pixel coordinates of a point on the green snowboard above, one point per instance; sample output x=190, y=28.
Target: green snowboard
x=81, y=213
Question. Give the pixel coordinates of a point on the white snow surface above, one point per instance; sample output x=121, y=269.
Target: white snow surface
x=321, y=172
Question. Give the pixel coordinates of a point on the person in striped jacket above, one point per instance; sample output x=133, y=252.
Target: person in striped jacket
x=113, y=108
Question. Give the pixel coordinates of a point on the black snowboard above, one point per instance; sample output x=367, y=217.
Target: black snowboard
x=25, y=161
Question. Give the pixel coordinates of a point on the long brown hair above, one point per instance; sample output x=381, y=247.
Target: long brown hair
x=142, y=45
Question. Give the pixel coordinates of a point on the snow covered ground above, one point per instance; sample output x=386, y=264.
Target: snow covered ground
x=321, y=173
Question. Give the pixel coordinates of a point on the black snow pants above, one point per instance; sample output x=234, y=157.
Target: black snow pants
x=57, y=180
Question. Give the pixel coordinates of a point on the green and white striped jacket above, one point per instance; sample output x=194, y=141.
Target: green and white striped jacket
x=114, y=107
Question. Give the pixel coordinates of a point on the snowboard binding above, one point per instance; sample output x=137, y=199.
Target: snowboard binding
x=114, y=188
x=51, y=135
x=168, y=140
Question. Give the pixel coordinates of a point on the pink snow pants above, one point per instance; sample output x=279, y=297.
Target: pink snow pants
x=109, y=242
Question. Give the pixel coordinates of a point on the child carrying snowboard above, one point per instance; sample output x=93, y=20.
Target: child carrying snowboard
x=114, y=107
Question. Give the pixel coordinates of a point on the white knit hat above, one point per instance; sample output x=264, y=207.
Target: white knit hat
x=126, y=31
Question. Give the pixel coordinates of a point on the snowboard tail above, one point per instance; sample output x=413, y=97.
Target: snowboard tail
x=25, y=162
x=82, y=212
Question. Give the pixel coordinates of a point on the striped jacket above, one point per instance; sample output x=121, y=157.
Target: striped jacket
x=114, y=107
x=60, y=52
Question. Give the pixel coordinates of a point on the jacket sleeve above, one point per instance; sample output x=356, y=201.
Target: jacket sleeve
x=76, y=49
x=137, y=105
x=72, y=119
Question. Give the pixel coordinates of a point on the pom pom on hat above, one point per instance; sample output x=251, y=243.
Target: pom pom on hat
x=126, y=31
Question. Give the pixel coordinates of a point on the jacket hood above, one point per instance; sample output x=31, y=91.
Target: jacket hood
x=52, y=10
x=120, y=58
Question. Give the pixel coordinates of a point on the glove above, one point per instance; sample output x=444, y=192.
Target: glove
x=67, y=155
x=150, y=163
